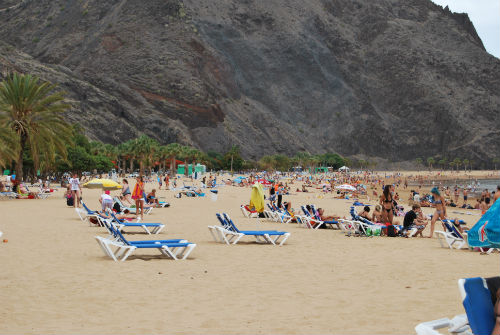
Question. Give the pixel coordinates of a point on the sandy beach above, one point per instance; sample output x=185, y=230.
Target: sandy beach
x=55, y=279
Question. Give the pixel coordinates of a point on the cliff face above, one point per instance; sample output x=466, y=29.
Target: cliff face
x=394, y=79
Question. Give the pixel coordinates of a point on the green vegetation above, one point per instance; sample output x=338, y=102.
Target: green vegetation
x=31, y=119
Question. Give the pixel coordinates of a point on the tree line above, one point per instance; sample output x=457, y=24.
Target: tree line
x=34, y=137
x=455, y=163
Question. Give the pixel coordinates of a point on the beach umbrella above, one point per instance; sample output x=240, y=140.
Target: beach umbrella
x=486, y=232
x=257, y=198
x=345, y=187
x=105, y=184
x=264, y=182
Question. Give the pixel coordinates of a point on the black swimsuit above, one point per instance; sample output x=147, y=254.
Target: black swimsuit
x=388, y=209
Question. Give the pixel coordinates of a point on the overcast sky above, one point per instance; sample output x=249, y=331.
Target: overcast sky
x=485, y=15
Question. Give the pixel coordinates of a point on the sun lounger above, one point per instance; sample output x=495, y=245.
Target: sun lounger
x=85, y=213
x=174, y=248
x=451, y=238
x=271, y=236
x=249, y=213
x=8, y=195
x=162, y=204
x=132, y=210
x=477, y=301
x=309, y=220
x=156, y=228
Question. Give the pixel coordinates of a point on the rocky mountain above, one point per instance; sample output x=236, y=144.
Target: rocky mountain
x=394, y=79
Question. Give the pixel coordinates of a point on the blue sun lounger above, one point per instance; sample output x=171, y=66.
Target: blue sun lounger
x=477, y=300
x=85, y=213
x=156, y=227
x=269, y=236
x=173, y=248
x=225, y=233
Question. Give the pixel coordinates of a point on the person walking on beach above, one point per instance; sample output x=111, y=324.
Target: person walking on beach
x=279, y=193
x=465, y=196
x=138, y=196
x=386, y=200
x=160, y=181
x=456, y=194
x=440, y=213
x=166, y=180
x=75, y=189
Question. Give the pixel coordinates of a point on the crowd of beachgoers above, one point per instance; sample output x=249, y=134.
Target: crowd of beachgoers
x=364, y=204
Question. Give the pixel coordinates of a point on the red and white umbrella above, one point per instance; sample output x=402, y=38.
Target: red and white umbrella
x=264, y=182
x=345, y=187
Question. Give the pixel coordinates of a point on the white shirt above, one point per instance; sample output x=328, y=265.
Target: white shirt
x=75, y=184
x=106, y=197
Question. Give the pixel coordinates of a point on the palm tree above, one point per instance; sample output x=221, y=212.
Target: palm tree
x=129, y=153
x=466, y=163
x=496, y=161
x=34, y=114
x=457, y=162
x=122, y=152
x=471, y=163
x=442, y=163
x=144, y=148
x=430, y=161
x=173, y=151
x=419, y=162
x=8, y=146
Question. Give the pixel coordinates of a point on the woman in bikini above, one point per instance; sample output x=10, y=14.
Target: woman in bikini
x=386, y=201
x=440, y=204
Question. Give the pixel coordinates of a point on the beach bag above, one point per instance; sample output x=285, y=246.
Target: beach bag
x=391, y=231
x=70, y=202
x=116, y=207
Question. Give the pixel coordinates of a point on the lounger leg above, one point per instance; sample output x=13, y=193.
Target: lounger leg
x=285, y=237
x=130, y=249
x=269, y=239
x=166, y=251
x=214, y=235
x=319, y=225
x=104, y=247
x=238, y=237
x=189, y=249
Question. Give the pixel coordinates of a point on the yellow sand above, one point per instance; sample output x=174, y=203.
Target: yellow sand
x=55, y=279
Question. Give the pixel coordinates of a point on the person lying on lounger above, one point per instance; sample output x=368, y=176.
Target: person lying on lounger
x=324, y=217
x=125, y=216
x=152, y=199
x=365, y=213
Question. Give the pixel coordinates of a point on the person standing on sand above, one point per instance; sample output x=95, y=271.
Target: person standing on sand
x=138, y=196
x=456, y=194
x=75, y=189
x=386, y=200
x=465, y=196
x=440, y=213
x=166, y=180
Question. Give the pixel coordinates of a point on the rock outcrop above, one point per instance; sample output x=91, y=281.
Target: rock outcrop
x=384, y=78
